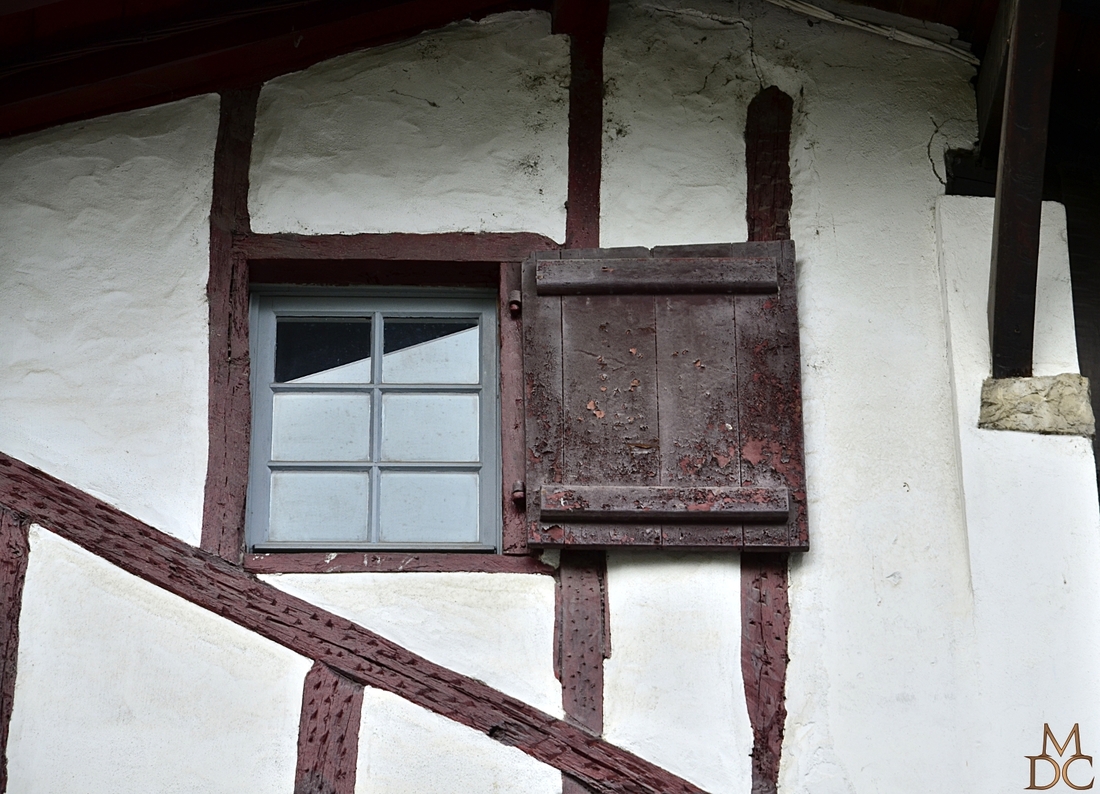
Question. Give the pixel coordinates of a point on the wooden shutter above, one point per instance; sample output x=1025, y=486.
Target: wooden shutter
x=663, y=398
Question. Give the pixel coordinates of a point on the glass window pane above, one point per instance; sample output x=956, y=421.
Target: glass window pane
x=435, y=507
x=326, y=506
x=430, y=351
x=317, y=350
x=430, y=427
x=328, y=427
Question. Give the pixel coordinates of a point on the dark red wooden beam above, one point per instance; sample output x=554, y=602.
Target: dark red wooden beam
x=14, y=552
x=328, y=735
x=229, y=421
x=350, y=650
x=1015, y=262
x=585, y=22
x=765, y=615
x=237, y=47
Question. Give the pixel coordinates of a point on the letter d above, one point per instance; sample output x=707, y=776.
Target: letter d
x=1053, y=763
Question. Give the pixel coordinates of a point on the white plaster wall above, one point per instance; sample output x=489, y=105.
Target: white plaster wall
x=673, y=691
x=404, y=749
x=125, y=688
x=1032, y=521
x=881, y=637
x=103, y=270
x=462, y=129
x=496, y=627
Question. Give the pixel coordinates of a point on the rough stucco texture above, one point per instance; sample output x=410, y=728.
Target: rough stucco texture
x=404, y=749
x=463, y=129
x=124, y=688
x=496, y=627
x=880, y=604
x=1032, y=524
x=103, y=270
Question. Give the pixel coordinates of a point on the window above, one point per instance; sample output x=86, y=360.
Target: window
x=375, y=420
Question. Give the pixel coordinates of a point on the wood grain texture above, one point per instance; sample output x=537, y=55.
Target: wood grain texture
x=765, y=623
x=14, y=555
x=392, y=562
x=446, y=246
x=512, y=446
x=350, y=650
x=328, y=734
x=230, y=404
x=583, y=637
x=648, y=503
x=655, y=276
x=765, y=615
x=582, y=220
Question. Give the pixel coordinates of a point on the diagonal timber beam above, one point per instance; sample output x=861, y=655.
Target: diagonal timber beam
x=1015, y=262
x=351, y=651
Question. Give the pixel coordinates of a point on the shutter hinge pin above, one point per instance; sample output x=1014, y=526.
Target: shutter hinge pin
x=515, y=301
x=519, y=492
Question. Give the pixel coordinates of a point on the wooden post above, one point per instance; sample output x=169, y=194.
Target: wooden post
x=1018, y=210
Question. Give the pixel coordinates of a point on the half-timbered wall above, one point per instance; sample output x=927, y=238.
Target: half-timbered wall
x=899, y=623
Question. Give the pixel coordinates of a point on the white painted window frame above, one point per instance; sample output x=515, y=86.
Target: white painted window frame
x=270, y=303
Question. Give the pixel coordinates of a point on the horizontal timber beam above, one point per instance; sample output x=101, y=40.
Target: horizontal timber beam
x=443, y=247
x=357, y=654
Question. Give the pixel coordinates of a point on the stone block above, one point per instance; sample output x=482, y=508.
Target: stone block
x=1051, y=405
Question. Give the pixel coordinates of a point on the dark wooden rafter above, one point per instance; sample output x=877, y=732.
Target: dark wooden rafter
x=328, y=734
x=353, y=652
x=765, y=615
x=230, y=46
x=990, y=90
x=227, y=294
x=1018, y=209
x=14, y=553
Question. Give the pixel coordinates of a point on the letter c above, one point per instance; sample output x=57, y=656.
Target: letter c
x=1065, y=773
x=1057, y=772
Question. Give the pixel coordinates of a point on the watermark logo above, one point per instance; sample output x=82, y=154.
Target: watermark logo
x=1061, y=770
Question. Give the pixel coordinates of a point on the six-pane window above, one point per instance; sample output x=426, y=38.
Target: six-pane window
x=375, y=421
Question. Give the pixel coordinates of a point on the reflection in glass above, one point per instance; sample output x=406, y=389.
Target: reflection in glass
x=328, y=427
x=430, y=351
x=430, y=427
x=436, y=507
x=314, y=350
x=327, y=506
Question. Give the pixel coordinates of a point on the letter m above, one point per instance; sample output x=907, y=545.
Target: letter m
x=1074, y=735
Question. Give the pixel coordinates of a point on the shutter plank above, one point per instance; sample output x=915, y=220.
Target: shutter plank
x=657, y=276
x=770, y=400
x=697, y=384
x=610, y=401
x=542, y=369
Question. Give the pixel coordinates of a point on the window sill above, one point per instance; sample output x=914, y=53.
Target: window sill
x=392, y=562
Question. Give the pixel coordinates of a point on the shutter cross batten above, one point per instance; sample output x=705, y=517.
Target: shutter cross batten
x=663, y=398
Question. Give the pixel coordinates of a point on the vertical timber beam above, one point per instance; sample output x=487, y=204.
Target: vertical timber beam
x=14, y=551
x=1018, y=209
x=765, y=613
x=328, y=735
x=586, y=24
x=227, y=294
x=582, y=624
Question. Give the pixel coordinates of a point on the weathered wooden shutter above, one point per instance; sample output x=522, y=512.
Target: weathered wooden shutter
x=664, y=398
